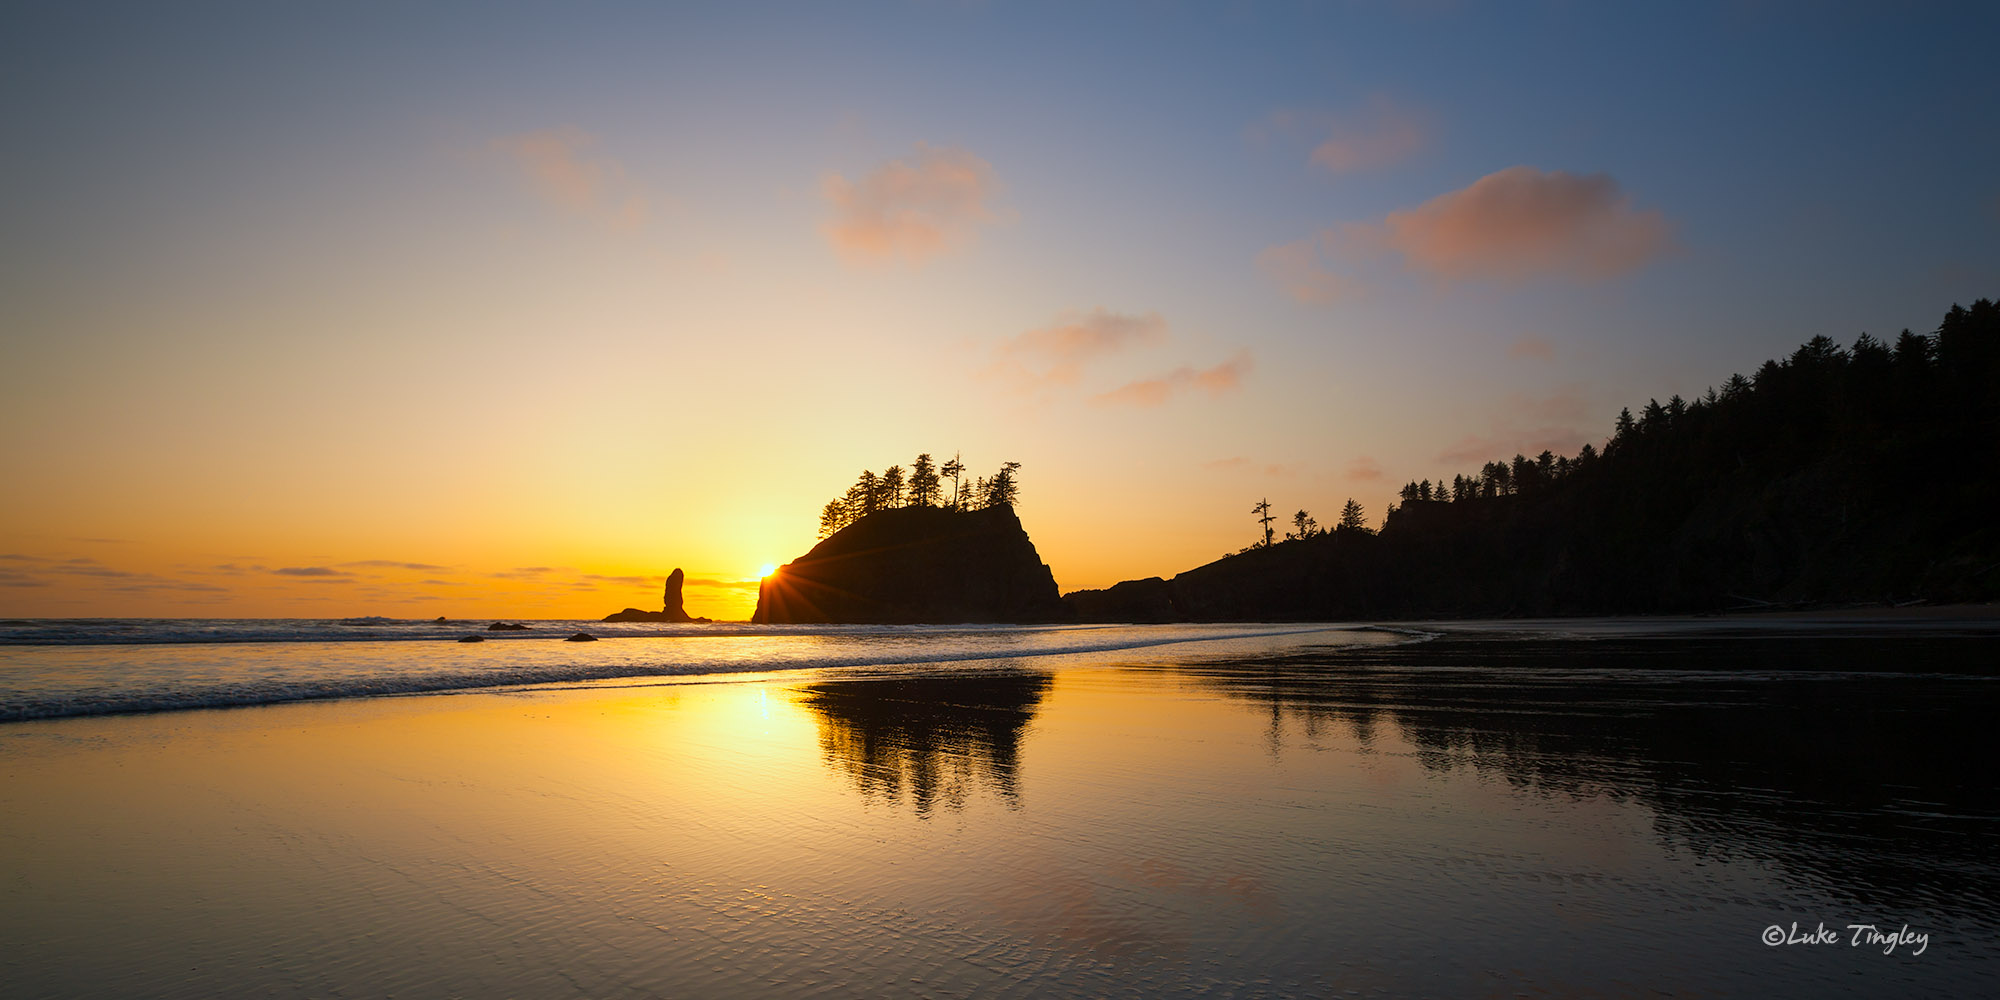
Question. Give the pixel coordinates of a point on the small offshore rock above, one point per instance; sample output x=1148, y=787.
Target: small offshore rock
x=581, y=637
x=506, y=627
x=472, y=638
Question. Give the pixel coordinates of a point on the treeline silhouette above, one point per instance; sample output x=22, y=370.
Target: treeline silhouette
x=922, y=485
x=1862, y=473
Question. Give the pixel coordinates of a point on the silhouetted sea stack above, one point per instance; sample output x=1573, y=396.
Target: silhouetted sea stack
x=914, y=565
x=671, y=609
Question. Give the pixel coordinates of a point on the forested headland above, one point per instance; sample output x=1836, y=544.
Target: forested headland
x=1862, y=473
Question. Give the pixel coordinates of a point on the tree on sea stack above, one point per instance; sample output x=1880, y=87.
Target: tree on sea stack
x=892, y=486
x=923, y=482
x=955, y=468
x=1004, y=487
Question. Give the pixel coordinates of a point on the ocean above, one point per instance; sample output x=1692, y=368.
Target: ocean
x=1725, y=807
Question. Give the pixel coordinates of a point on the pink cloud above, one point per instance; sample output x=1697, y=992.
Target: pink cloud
x=1504, y=445
x=912, y=209
x=1384, y=136
x=1364, y=469
x=557, y=162
x=1516, y=224
x=1056, y=354
x=1522, y=424
x=1296, y=268
x=1215, y=381
x=1532, y=346
x=1237, y=463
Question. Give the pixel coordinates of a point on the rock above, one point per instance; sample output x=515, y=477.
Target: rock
x=917, y=565
x=1134, y=601
x=581, y=637
x=506, y=627
x=472, y=638
x=439, y=620
x=671, y=609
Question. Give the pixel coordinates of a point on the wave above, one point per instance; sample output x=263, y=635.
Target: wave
x=262, y=680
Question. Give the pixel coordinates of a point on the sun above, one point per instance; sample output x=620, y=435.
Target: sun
x=769, y=568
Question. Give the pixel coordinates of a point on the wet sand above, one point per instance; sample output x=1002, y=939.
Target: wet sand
x=1369, y=820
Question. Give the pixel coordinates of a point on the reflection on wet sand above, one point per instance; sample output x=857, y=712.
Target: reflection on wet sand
x=1823, y=757
x=933, y=738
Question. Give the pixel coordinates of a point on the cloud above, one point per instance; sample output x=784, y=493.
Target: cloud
x=1364, y=469
x=1237, y=463
x=1215, y=381
x=912, y=209
x=560, y=166
x=1569, y=404
x=1504, y=445
x=100, y=576
x=309, y=571
x=1296, y=268
x=1521, y=424
x=1382, y=136
x=523, y=573
x=393, y=564
x=1516, y=224
x=1056, y=354
x=715, y=583
x=1532, y=346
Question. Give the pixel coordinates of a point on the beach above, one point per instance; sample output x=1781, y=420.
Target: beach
x=1324, y=812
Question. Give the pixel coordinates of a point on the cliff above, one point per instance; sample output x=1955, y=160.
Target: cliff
x=671, y=609
x=912, y=565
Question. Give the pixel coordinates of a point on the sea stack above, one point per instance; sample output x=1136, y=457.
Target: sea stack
x=915, y=565
x=671, y=609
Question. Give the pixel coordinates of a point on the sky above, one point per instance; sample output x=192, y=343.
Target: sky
x=507, y=310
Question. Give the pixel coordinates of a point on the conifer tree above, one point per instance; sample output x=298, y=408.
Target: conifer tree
x=892, y=486
x=955, y=469
x=923, y=482
x=1352, y=516
x=1004, y=487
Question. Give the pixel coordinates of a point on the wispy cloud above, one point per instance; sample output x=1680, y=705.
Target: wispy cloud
x=1513, y=225
x=561, y=166
x=1520, y=223
x=394, y=564
x=39, y=571
x=320, y=571
x=1381, y=133
x=1298, y=269
x=1532, y=347
x=1364, y=469
x=1237, y=463
x=912, y=209
x=1056, y=354
x=1223, y=378
x=1524, y=424
x=1381, y=136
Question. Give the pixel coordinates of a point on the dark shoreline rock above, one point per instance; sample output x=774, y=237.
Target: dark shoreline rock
x=671, y=609
x=506, y=627
x=916, y=565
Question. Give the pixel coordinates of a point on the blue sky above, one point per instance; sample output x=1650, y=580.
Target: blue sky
x=292, y=276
